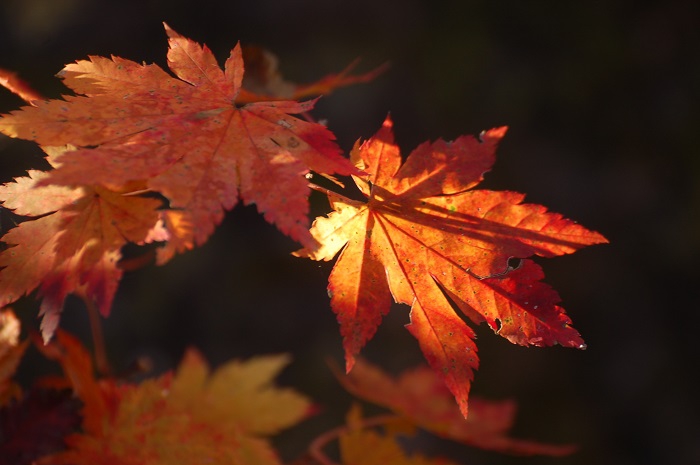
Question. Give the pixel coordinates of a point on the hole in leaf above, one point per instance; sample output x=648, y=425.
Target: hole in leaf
x=499, y=325
x=514, y=263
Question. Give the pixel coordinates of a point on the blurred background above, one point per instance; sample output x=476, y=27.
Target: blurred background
x=602, y=103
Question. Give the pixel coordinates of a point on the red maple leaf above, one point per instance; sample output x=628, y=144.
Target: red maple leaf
x=188, y=137
x=425, y=237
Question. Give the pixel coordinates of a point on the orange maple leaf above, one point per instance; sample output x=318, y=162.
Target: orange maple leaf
x=190, y=416
x=420, y=396
x=425, y=237
x=188, y=138
x=71, y=244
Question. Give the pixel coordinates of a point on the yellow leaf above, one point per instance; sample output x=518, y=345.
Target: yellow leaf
x=239, y=392
x=360, y=446
x=188, y=417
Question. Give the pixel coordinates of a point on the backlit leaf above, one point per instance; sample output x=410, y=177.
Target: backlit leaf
x=425, y=237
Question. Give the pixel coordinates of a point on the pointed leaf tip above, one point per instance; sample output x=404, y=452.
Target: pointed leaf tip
x=170, y=32
x=494, y=133
x=349, y=362
x=388, y=122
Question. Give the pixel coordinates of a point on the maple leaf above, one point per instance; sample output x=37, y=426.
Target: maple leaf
x=362, y=446
x=425, y=237
x=187, y=137
x=190, y=416
x=72, y=244
x=263, y=80
x=421, y=397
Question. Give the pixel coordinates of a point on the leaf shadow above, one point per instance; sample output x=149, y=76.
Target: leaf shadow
x=523, y=242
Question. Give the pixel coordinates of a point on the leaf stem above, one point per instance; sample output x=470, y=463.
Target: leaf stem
x=98, y=340
x=321, y=441
x=323, y=190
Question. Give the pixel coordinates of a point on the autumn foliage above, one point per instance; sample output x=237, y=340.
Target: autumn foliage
x=140, y=155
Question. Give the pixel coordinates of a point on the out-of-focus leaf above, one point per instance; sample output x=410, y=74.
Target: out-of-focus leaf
x=421, y=397
x=191, y=416
x=11, y=352
x=362, y=446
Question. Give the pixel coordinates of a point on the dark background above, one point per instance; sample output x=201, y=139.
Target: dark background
x=601, y=99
